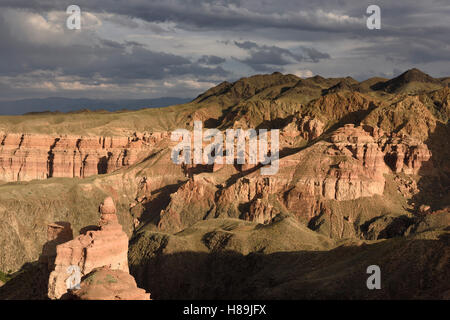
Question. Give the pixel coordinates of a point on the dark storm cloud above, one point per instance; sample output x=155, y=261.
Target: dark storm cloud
x=93, y=57
x=285, y=34
x=426, y=51
x=265, y=58
x=211, y=60
x=212, y=14
x=338, y=16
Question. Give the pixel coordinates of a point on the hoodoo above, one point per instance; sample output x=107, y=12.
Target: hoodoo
x=106, y=247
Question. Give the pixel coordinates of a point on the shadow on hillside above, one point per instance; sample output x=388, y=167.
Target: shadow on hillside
x=408, y=271
x=86, y=229
x=277, y=123
x=159, y=200
x=226, y=115
x=29, y=283
x=285, y=152
x=396, y=227
x=434, y=184
x=354, y=117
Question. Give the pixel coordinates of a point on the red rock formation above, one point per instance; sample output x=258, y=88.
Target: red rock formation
x=301, y=202
x=311, y=128
x=351, y=164
x=248, y=189
x=260, y=211
x=350, y=167
x=105, y=247
x=25, y=157
x=306, y=127
x=192, y=197
x=354, y=179
x=407, y=155
x=106, y=284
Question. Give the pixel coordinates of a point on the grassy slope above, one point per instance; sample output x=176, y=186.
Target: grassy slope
x=104, y=124
x=228, y=259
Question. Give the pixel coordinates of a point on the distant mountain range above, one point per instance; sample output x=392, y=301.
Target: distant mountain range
x=413, y=81
x=57, y=104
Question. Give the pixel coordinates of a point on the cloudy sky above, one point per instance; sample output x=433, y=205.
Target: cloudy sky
x=179, y=48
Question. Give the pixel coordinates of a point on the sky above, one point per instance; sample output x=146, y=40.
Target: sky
x=180, y=48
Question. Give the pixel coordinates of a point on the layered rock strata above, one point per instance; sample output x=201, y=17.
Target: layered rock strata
x=25, y=157
x=105, y=247
x=349, y=164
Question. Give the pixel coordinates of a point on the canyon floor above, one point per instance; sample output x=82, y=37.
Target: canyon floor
x=363, y=179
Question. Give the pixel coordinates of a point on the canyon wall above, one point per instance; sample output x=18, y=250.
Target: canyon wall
x=348, y=164
x=25, y=157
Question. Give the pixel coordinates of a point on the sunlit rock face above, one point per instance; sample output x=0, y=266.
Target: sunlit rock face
x=107, y=284
x=25, y=157
x=107, y=246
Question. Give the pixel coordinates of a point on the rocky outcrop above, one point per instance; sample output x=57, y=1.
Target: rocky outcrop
x=261, y=211
x=347, y=167
x=311, y=128
x=305, y=127
x=107, y=246
x=187, y=204
x=354, y=179
x=407, y=187
x=25, y=157
x=374, y=154
x=107, y=284
x=407, y=155
x=405, y=117
x=350, y=106
x=57, y=233
x=349, y=164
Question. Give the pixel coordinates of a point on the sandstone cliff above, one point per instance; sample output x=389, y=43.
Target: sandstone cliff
x=25, y=157
x=105, y=247
x=349, y=164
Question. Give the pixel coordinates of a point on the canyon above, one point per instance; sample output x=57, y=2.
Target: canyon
x=363, y=177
